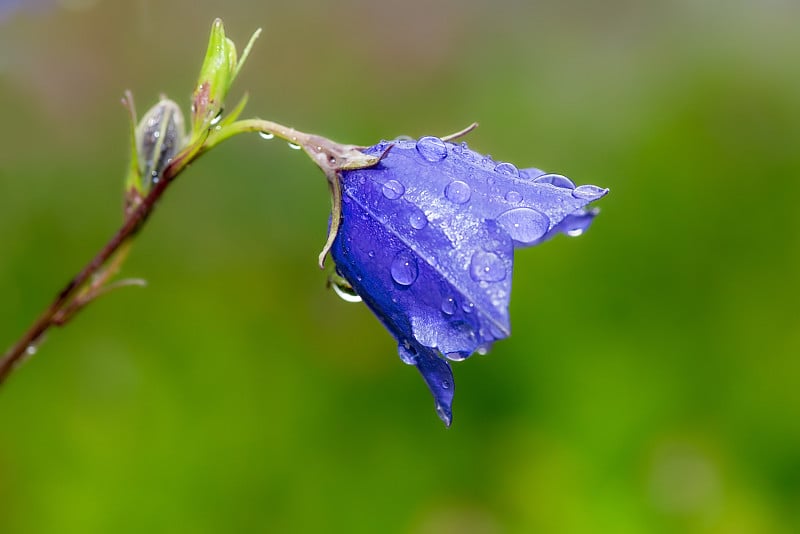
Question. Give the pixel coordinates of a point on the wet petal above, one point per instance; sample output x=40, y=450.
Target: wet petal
x=427, y=239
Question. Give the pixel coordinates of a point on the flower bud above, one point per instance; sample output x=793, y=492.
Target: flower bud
x=159, y=136
x=219, y=69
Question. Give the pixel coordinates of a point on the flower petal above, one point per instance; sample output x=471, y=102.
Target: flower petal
x=427, y=239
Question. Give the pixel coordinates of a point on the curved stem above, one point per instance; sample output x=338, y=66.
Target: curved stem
x=64, y=299
x=330, y=156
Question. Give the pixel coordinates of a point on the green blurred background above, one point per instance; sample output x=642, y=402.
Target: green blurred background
x=652, y=383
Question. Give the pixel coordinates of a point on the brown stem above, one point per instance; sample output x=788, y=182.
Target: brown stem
x=129, y=228
x=331, y=157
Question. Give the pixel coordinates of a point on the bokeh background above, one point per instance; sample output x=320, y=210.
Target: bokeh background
x=652, y=382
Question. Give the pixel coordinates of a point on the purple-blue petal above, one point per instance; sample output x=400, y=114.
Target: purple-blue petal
x=427, y=240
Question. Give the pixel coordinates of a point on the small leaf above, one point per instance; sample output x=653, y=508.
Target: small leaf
x=219, y=70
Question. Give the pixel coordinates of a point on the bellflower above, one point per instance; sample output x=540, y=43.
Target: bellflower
x=427, y=239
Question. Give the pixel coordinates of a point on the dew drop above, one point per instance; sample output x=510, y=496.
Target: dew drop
x=216, y=119
x=445, y=384
x=487, y=267
x=458, y=192
x=407, y=354
x=575, y=232
x=432, y=149
x=267, y=135
x=393, y=189
x=443, y=414
x=514, y=197
x=31, y=350
x=404, y=268
x=293, y=146
x=509, y=169
x=456, y=356
x=468, y=307
x=556, y=180
x=347, y=295
x=524, y=225
x=417, y=220
x=588, y=192
x=156, y=134
x=371, y=253
x=449, y=306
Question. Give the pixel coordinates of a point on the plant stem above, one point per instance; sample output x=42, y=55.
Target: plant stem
x=330, y=156
x=132, y=224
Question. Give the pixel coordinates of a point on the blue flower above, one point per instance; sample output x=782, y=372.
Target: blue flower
x=427, y=240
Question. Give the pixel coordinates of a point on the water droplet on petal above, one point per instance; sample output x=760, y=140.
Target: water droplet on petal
x=458, y=192
x=487, y=267
x=575, y=232
x=347, y=295
x=509, y=169
x=393, y=189
x=293, y=146
x=449, y=306
x=556, y=180
x=468, y=307
x=445, y=384
x=371, y=253
x=432, y=149
x=404, y=268
x=513, y=197
x=589, y=192
x=456, y=356
x=443, y=414
x=417, y=220
x=216, y=119
x=267, y=135
x=406, y=353
x=525, y=225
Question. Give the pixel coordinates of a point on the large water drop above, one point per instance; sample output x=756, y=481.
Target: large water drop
x=589, y=192
x=449, y=306
x=556, y=180
x=524, y=225
x=404, y=268
x=417, y=220
x=393, y=189
x=432, y=149
x=487, y=267
x=407, y=354
x=458, y=192
x=509, y=169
